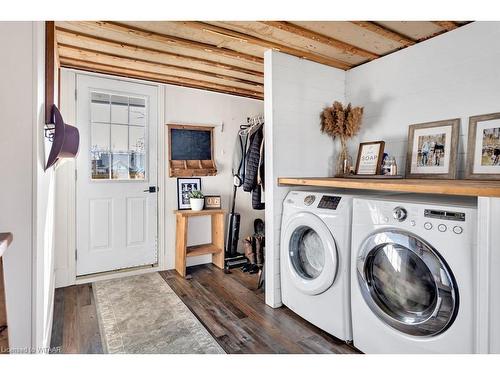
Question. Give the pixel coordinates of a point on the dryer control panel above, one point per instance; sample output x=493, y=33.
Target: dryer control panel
x=444, y=215
x=330, y=202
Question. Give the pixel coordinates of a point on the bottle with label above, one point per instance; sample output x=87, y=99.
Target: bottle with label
x=393, y=166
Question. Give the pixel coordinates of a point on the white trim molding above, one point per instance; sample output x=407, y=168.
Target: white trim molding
x=488, y=277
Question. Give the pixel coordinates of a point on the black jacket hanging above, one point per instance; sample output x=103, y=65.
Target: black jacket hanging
x=252, y=168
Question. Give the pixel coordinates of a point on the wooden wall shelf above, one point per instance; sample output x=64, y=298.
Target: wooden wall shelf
x=422, y=186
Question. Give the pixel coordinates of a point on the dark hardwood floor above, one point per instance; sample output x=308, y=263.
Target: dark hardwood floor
x=75, y=328
x=229, y=305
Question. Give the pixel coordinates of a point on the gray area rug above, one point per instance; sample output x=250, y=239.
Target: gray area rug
x=142, y=314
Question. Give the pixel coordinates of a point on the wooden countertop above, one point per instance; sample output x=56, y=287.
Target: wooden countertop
x=424, y=186
x=5, y=240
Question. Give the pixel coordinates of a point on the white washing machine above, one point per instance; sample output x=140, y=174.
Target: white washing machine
x=413, y=275
x=315, y=257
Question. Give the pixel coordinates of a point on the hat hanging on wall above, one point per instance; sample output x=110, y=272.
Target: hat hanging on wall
x=65, y=139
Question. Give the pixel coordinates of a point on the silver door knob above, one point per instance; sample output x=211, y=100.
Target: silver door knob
x=399, y=213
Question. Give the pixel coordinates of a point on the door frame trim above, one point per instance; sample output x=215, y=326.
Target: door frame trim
x=68, y=276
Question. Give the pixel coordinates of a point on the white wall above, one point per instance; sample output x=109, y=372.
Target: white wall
x=296, y=91
x=454, y=75
x=184, y=106
x=191, y=106
x=26, y=191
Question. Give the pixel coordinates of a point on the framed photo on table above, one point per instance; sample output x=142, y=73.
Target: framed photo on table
x=184, y=187
x=213, y=202
x=483, y=149
x=432, y=149
x=369, y=158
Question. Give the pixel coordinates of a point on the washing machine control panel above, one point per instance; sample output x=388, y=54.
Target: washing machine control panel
x=330, y=202
x=444, y=215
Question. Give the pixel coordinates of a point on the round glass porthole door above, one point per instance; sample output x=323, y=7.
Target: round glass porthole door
x=310, y=253
x=406, y=283
x=307, y=252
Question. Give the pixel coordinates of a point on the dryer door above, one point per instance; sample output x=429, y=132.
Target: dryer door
x=406, y=283
x=310, y=253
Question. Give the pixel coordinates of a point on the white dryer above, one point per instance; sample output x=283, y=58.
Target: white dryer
x=315, y=257
x=413, y=275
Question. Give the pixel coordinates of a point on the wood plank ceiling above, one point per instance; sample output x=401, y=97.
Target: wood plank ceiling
x=228, y=56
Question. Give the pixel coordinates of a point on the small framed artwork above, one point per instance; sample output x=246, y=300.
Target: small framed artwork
x=432, y=149
x=213, y=202
x=370, y=158
x=483, y=149
x=184, y=187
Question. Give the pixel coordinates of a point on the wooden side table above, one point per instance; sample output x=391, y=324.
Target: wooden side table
x=5, y=240
x=216, y=247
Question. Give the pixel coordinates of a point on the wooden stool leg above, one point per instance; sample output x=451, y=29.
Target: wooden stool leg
x=218, y=239
x=181, y=244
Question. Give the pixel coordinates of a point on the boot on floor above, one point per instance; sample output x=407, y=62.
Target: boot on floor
x=259, y=250
x=249, y=254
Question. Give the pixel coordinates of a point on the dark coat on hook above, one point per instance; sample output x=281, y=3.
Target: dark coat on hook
x=252, y=169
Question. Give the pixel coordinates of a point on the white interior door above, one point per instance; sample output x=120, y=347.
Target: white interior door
x=116, y=174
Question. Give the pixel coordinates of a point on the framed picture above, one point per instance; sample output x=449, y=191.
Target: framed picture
x=432, y=149
x=370, y=158
x=483, y=149
x=184, y=187
x=212, y=202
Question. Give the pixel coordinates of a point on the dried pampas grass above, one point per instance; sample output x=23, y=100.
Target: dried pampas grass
x=337, y=121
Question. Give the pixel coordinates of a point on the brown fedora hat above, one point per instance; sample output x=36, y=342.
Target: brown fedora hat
x=66, y=139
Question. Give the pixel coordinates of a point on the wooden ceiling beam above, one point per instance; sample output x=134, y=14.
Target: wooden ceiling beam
x=385, y=32
x=447, y=25
x=180, y=42
x=157, y=77
x=346, y=48
x=128, y=60
x=228, y=33
x=160, y=53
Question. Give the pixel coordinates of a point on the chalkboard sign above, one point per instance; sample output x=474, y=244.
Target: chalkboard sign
x=191, y=151
x=190, y=144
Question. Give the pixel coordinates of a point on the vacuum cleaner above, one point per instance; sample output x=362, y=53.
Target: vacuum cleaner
x=233, y=259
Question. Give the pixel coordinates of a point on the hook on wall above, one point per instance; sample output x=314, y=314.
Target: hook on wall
x=49, y=132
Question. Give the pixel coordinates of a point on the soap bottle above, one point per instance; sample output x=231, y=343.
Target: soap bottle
x=393, y=166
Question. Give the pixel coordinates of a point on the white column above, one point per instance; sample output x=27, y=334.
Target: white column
x=488, y=275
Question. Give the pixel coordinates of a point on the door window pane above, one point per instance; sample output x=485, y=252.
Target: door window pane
x=100, y=165
x=119, y=138
x=100, y=137
x=137, y=166
x=307, y=252
x=120, y=166
x=119, y=109
x=137, y=112
x=99, y=107
x=137, y=152
x=136, y=139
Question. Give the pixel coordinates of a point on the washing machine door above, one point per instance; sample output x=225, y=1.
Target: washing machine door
x=310, y=253
x=406, y=283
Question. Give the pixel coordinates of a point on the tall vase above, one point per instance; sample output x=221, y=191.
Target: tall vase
x=344, y=161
